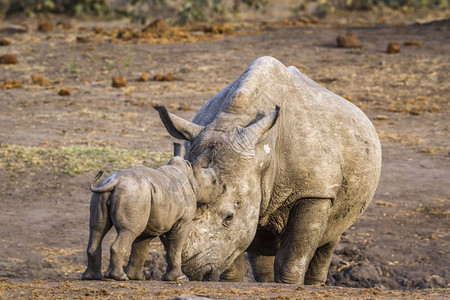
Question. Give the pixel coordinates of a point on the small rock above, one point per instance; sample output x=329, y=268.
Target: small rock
x=144, y=77
x=393, y=48
x=119, y=81
x=40, y=80
x=8, y=59
x=348, y=40
x=64, y=92
x=4, y=41
x=44, y=26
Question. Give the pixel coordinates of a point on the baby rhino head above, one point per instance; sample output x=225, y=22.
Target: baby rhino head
x=204, y=180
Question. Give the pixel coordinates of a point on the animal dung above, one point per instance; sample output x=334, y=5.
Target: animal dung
x=64, y=92
x=40, y=80
x=158, y=26
x=9, y=83
x=4, y=41
x=161, y=77
x=119, y=81
x=393, y=48
x=413, y=43
x=44, y=26
x=144, y=77
x=348, y=40
x=8, y=59
x=64, y=25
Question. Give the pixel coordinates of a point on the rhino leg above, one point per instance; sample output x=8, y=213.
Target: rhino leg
x=99, y=224
x=304, y=230
x=262, y=267
x=119, y=250
x=139, y=251
x=173, y=242
x=236, y=272
x=318, y=267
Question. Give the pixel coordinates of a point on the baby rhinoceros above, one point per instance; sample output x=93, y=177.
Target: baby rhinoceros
x=144, y=203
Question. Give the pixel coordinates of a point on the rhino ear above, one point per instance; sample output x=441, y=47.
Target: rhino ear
x=178, y=150
x=249, y=136
x=178, y=127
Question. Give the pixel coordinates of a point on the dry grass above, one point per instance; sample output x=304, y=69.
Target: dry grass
x=76, y=159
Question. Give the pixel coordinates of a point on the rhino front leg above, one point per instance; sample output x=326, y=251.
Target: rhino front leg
x=236, y=272
x=320, y=263
x=139, y=251
x=304, y=230
x=119, y=250
x=262, y=267
x=173, y=244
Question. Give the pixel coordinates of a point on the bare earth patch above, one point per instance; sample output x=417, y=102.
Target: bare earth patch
x=51, y=146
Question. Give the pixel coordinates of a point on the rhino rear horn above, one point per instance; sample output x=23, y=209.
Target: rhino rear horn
x=178, y=127
x=249, y=136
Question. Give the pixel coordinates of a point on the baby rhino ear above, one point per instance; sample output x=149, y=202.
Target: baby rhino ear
x=178, y=150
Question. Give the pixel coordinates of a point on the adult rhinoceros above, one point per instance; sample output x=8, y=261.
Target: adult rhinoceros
x=300, y=165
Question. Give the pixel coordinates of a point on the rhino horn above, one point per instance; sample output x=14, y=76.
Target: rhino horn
x=178, y=127
x=249, y=136
x=178, y=150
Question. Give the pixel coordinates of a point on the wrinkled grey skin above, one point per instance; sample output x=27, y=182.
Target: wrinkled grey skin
x=296, y=177
x=143, y=203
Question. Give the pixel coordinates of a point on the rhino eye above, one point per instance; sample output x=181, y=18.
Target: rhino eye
x=229, y=217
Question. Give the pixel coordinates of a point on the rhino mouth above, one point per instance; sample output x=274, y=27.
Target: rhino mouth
x=205, y=273
x=209, y=274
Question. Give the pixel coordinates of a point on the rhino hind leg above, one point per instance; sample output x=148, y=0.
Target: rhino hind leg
x=262, y=267
x=139, y=251
x=320, y=263
x=99, y=225
x=304, y=230
x=119, y=250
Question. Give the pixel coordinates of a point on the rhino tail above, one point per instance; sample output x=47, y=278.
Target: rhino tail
x=108, y=186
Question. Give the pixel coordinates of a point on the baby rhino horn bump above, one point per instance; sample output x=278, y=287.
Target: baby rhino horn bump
x=178, y=127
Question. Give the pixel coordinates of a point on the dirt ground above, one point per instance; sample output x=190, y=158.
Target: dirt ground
x=398, y=248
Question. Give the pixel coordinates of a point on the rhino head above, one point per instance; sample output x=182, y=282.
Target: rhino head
x=225, y=226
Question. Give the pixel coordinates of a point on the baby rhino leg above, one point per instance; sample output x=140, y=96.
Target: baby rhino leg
x=99, y=225
x=173, y=244
x=139, y=251
x=119, y=250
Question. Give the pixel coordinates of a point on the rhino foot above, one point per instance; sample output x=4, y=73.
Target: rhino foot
x=91, y=275
x=135, y=274
x=116, y=275
x=174, y=275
